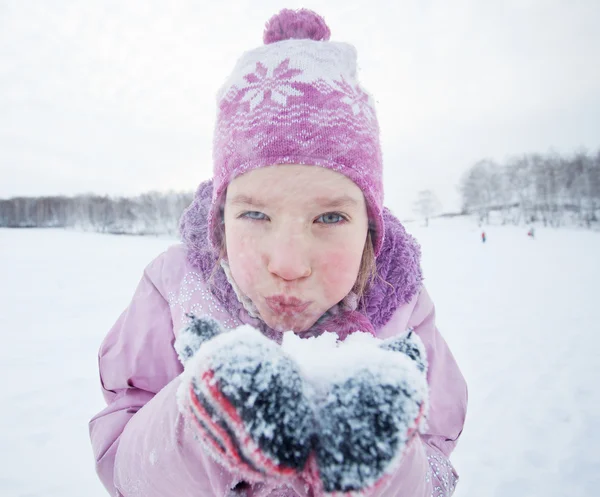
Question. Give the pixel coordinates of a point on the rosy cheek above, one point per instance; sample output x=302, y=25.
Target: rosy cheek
x=243, y=261
x=339, y=270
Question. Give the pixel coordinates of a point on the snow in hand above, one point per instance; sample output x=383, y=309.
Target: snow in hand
x=520, y=315
x=368, y=400
x=355, y=403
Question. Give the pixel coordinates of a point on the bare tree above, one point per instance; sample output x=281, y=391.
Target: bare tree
x=536, y=187
x=481, y=188
x=426, y=205
x=151, y=213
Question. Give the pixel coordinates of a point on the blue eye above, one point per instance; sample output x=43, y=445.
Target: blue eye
x=331, y=218
x=254, y=215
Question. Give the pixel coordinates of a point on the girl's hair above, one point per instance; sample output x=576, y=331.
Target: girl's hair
x=367, y=270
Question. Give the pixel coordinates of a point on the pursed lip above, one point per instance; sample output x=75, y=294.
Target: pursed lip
x=282, y=304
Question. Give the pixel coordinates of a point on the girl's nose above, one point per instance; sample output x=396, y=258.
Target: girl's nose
x=288, y=257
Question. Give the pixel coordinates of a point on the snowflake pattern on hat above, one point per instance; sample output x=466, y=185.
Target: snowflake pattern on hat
x=276, y=83
x=358, y=100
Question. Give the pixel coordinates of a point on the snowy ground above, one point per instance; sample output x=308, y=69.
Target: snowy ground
x=520, y=315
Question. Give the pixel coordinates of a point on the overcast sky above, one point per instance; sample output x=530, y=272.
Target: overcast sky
x=118, y=97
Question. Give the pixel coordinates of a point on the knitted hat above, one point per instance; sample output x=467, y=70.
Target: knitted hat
x=297, y=100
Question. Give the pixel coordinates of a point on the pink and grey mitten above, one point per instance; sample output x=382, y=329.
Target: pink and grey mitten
x=369, y=418
x=246, y=398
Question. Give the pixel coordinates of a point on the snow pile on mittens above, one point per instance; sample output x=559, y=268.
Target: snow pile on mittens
x=369, y=401
x=264, y=410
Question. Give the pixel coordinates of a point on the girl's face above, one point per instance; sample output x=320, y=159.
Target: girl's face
x=294, y=238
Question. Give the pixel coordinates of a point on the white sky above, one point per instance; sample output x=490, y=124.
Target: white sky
x=119, y=96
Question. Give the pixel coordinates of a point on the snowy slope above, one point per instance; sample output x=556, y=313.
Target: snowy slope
x=520, y=315
x=61, y=292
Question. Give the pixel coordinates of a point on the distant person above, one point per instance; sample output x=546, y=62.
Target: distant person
x=531, y=232
x=483, y=237
x=290, y=235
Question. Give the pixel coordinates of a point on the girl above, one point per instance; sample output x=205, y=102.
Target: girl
x=290, y=234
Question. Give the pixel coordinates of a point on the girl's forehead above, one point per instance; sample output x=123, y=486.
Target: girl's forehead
x=294, y=181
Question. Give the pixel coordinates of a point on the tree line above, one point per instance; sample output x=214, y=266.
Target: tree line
x=548, y=188
x=148, y=214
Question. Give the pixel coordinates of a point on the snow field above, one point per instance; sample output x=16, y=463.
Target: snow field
x=520, y=315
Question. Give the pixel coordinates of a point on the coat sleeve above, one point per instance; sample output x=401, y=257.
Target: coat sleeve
x=425, y=470
x=141, y=445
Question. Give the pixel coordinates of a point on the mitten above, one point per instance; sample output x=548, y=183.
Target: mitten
x=246, y=399
x=411, y=345
x=367, y=420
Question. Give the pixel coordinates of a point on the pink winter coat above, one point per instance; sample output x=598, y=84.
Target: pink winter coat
x=141, y=444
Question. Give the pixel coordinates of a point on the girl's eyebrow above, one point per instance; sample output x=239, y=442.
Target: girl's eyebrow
x=323, y=202
x=336, y=202
x=242, y=199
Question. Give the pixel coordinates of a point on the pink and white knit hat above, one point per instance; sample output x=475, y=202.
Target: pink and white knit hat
x=297, y=100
